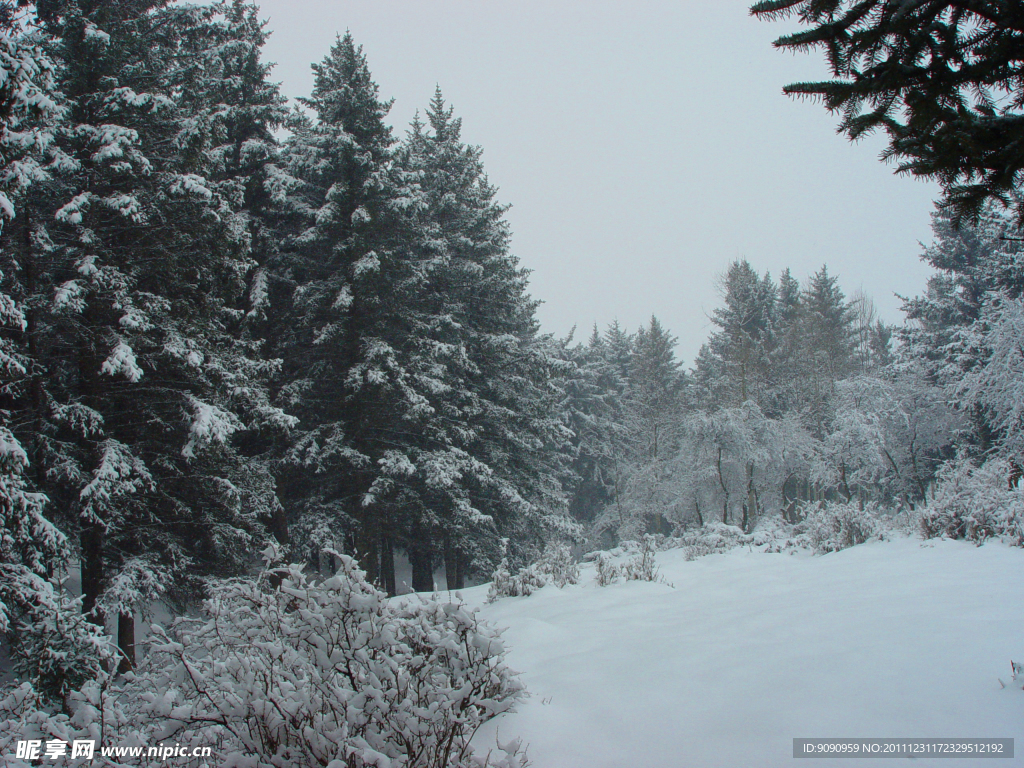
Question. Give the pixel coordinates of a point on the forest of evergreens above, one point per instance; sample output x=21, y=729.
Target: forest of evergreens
x=230, y=328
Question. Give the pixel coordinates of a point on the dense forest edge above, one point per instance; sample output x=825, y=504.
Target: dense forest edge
x=252, y=357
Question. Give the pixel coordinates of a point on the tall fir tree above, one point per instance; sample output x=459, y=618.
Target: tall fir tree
x=736, y=364
x=136, y=264
x=348, y=278
x=490, y=460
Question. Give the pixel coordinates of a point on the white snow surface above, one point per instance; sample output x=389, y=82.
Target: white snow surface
x=748, y=650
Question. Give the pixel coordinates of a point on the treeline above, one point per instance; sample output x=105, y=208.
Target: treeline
x=801, y=395
x=213, y=336
x=224, y=322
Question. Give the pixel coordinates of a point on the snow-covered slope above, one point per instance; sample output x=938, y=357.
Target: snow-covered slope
x=748, y=650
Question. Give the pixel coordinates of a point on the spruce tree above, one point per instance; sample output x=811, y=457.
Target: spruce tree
x=827, y=333
x=139, y=263
x=736, y=365
x=942, y=79
x=348, y=278
x=489, y=462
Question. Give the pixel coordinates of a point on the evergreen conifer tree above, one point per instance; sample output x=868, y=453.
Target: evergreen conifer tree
x=138, y=265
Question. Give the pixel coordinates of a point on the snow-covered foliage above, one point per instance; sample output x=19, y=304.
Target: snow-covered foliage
x=284, y=672
x=522, y=583
x=98, y=712
x=832, y=526
x=51, y=643
x=307, y=673
x=557, y=566
x=886, y=437
x=990, y=351
x=975, y=502
x=712, y=538
x=642, y=566
x=631, y=561
x=606, y=570
x=735, y=463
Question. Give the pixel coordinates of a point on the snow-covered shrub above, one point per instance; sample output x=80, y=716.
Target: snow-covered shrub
x=559, y=565
x=832, y=526
x=975, y=503
x=556, y=566
x=52, y=645
x=641, y=567
x=306, y=674
x=521, y=584
x=712, y=538
x=607, y=571
x=773, y=533
x=96, y=712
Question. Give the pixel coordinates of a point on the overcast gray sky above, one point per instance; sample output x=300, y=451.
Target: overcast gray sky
x=642, y=145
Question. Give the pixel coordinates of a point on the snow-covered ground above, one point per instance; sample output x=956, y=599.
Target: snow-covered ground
x=748, y=650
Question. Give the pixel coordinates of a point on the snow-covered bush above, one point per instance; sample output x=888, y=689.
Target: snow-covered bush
x=832, y=526
x=521, y=584
x=556, y=566
x=712, y=538
x=96, y=712
x=773, y=533
x=975, y=503
x=304, y=675
x=607, y=570
x=559, y=565
x=641, y=567
x=308, y=673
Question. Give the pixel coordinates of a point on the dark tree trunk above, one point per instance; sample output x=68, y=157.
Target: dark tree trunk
x=422, y=568
x=451, y=564
x=92, y=570
x=368, y=546
x=126, y=641
x=387, y=564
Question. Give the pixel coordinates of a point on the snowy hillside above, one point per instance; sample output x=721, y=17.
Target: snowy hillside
x=749, y=650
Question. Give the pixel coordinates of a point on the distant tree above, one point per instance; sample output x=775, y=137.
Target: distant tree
x=886, y=437
x=828, y=335
x=990, y=363
x=942, y=79
x=736, y=364
x=736, y=465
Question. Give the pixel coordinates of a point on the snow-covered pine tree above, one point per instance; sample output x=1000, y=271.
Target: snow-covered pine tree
x=828, y=335
x=50, y=644
x=591, y=404
x=137, y=264
x=734, y=365
x=651, y=414
x=236, y=109
x=976, y=265
x=489, y=463
x=346, y=263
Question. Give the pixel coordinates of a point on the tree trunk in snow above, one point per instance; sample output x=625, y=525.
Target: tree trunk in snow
x=422, y=568
x=92, y=570
x=367, y=546
x=387, y=564
x=126, y=641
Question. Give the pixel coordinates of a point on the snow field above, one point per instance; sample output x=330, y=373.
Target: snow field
x=750, y=650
